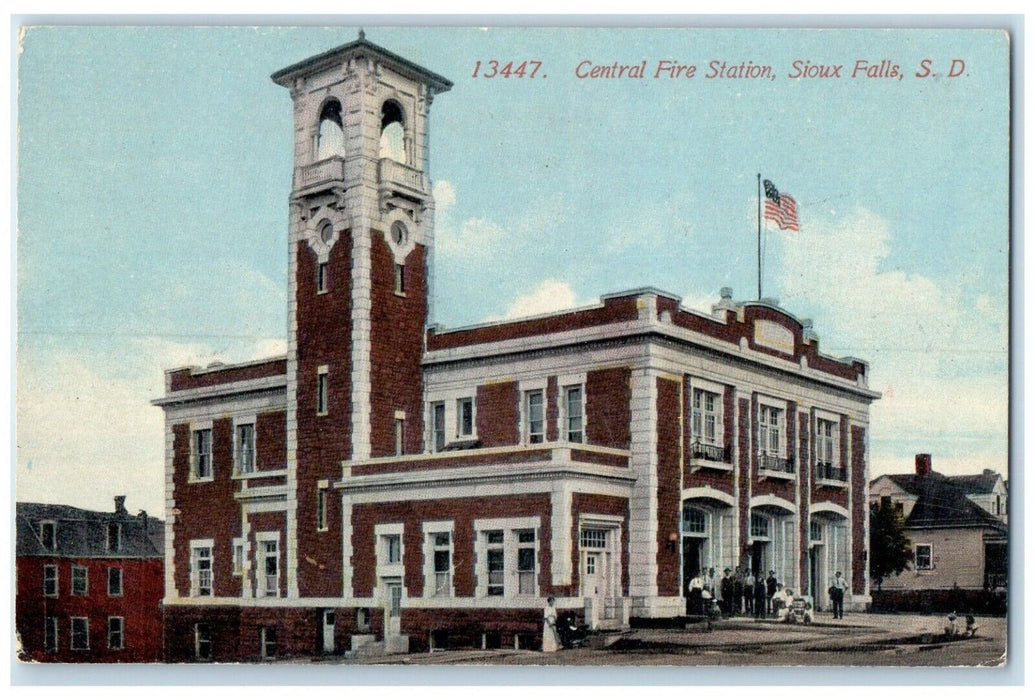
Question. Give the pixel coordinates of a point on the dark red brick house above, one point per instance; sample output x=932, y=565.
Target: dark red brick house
x=89, y=584
x=394, y=484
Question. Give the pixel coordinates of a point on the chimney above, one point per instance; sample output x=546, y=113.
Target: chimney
x=143, y=518
x=923, y=464
x=120, y=505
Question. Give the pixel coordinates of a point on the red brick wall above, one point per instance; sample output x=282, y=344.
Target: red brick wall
x=497, y=414
x=204, y=508
x=463, y=512
x=608, y=413
x=324, y=337
x=552, y=409
x=271, y=440
x=396, y=345
x=669, y=478
x=185, y=379
x=139, y=606
x=860, y=509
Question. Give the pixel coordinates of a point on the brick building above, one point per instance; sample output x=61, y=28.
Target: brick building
x=89, y=584
x=958, y=528
x=398, y=484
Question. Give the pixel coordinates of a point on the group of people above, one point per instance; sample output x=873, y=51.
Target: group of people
x=742, y=592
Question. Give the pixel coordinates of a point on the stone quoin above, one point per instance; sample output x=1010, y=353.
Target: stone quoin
x=395, y=485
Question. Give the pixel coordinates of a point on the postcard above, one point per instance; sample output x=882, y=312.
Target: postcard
x=513, y=346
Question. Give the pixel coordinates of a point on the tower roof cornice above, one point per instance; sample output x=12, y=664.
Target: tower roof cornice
x=360, y=47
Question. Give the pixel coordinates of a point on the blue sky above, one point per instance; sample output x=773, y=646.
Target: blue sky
x=154, y=167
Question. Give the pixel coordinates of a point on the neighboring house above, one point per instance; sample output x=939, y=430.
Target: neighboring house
x=957, y=525
x=89, y=584
x=391, y=484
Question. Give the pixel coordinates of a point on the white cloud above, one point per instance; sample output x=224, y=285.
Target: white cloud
x=551, y=295
x=444, y=194
x=700, y=302
x=476, y=240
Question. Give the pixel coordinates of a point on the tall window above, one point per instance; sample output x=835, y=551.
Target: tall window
x=400, y=433
x=246, y=448
x=759, y=525
x=321, y=275
x=201, y=569
x=48, y=535
x=695, y=520
x=534, y=413
x=322, y=391
x=50, y=580
x=321, y=509
x=238, y=556
x=271, y=569
x=114, y=540
x=80, y=580
x=526, y=562
x=922, y=558
x=331, y=138
x=464, y=417
x=114, y=581
x=705, y=423
x=392, y=545
x=203, y=454
x=115, y=636
x=400, y=279
x=50, y=634
x=80, y=634
x=268, y=642
x=573, y=412
x=826, y=442
x=770, y=422
x=438, y=426
x=393, y=142
x=202, y=642
x=494, y=561
x=442, y=549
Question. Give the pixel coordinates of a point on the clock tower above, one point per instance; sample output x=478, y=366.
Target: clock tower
x=361, y=232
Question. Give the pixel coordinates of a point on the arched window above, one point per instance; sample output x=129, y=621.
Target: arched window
x=331, y=141
x=393, y=142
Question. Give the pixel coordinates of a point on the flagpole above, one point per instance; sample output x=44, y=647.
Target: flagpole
x=760, y=236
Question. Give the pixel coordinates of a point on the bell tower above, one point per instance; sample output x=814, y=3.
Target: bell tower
x=361, y=232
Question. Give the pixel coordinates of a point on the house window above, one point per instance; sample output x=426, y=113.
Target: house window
x=201, y=570
x=770, y=422
x=922, y=558
x=48, y=535
x=815, y=531
x=202, y=642
x=494, y=561
x=321, y=509
x=442, y=553
x=238, y=556
x=465, y=417
x=393, y=139
x=114, y=582
x=705, y=418
x=114, y=541
x=438, y=426
x=115, y=627
x=759, y=525
x=400, y=431
x=271, y=568
x=400, y=279
x=321, y=275
x=268, y=643
x=526, y=562
x=245, y=448
x=331, y=135
x=80, y=580
x=573, y=412
x=80, y=634
x=392, y=545
x=50, y=634
x=534, y=414
x=695, y=521
x=826, y=442
x=593, y=539
x=203, y=454
x=50, y=580
x=322, y=391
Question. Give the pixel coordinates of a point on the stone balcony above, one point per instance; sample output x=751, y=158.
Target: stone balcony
x=323, y=174
x=397, y=178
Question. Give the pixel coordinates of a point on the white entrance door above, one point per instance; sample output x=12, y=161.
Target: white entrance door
x=392, y=605
x=328, y=631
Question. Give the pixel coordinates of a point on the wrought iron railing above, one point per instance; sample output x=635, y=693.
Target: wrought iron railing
x=829, y=472
x=711, y=453
x=774, y=463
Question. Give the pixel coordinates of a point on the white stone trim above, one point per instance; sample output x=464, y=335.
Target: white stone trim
x=643, y=504
x=362, y=303
x=413, y=234
x=536, y=602
x=510, y=547
x=560, y=533
x=828, y=507
x=346, y=546
x=710, y=492
x=221, y=390
x=774, y=502
x=383, y=568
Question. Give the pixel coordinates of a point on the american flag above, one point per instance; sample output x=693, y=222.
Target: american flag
x=781, y=209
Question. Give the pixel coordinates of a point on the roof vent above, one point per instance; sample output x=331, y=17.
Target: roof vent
x=923, y=464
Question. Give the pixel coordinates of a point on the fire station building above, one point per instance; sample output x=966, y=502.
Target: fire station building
x=391, y=484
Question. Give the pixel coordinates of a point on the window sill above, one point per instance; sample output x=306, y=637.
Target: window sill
x=401, y=295
x=204, y=480
x=833, y=483
x=697, y=463
x=773, y=474
x=259, y=474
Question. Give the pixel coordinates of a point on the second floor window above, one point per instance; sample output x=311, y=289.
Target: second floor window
x=438, y=426
x=246, y=448
x=770, y=422
x=573, y=413
x=114, y=582
x=923, y=557
x=826, y=442
x=392, y=549
x=705, y=420
x=50, y=580
x=202, y=571
x=534, y=413
x=322, y=392
x=203, y=454
x=465, y=417
x=80, y=580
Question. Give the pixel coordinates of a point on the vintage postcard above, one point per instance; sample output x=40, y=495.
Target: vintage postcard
x=513, y=346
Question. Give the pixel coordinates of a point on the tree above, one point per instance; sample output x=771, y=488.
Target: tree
x=891, y=552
